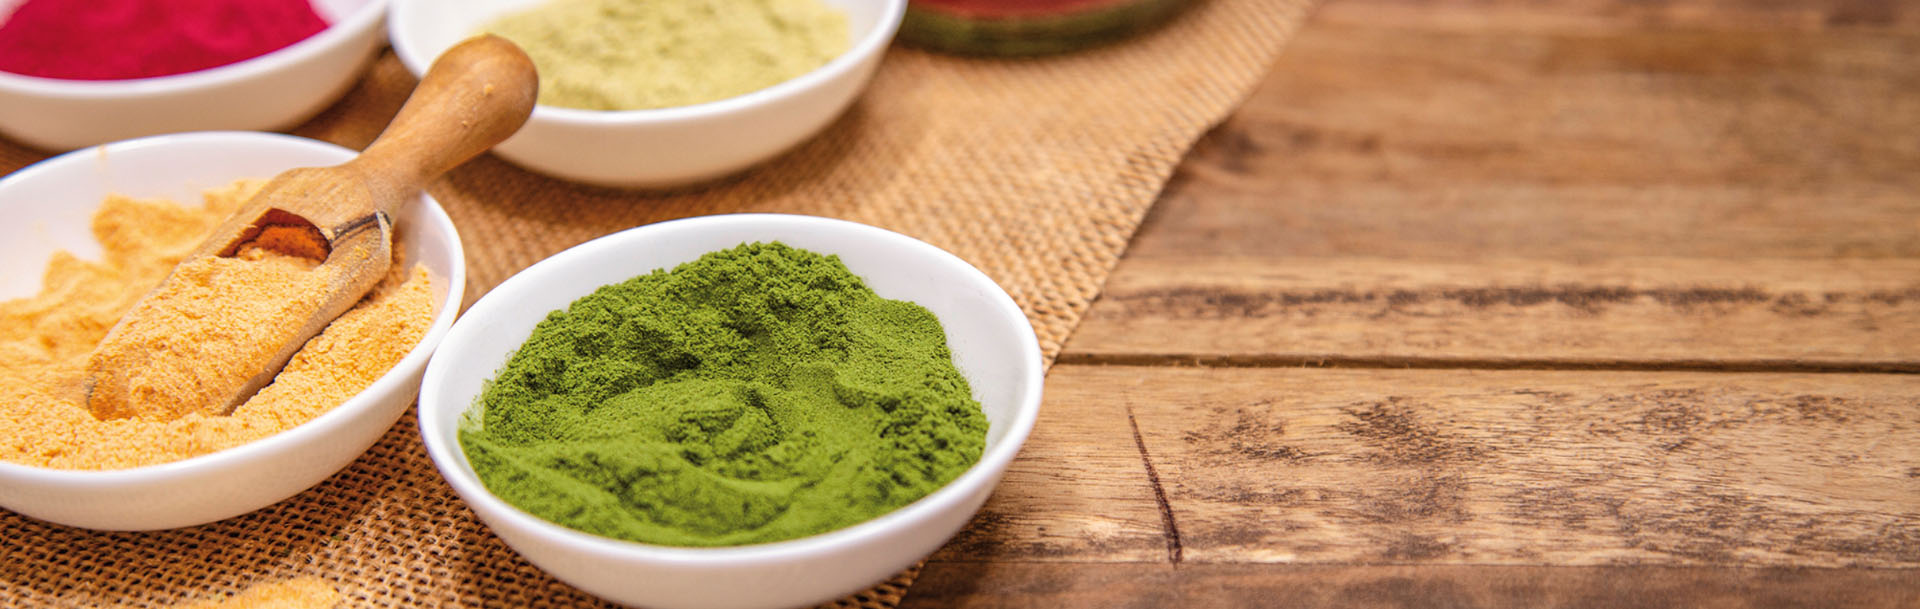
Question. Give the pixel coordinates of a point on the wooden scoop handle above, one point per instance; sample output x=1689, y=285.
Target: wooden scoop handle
x=475, y=95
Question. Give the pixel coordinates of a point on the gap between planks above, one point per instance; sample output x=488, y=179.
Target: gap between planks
x=954, y=585
x=1290, y=360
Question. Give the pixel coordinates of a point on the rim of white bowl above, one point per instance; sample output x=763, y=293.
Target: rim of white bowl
x=873, y=42
x=994, y=460
x=325, y=423
x=354, y=24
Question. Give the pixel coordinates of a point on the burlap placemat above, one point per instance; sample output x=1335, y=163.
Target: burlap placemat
x=1037, y=171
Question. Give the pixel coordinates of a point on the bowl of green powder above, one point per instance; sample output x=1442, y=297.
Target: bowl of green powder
x=747, y=410
x=661, y=93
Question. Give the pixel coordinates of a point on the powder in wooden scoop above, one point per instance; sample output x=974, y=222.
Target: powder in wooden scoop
x=168, y=327
x=45, y=342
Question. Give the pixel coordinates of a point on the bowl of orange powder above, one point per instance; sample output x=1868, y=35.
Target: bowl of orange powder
x=82, y=72
x=100, y=227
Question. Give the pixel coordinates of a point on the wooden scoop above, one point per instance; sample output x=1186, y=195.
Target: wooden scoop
x=475, y=95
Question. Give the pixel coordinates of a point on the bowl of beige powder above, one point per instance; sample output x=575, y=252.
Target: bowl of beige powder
x=93, y=230
x=662, y=93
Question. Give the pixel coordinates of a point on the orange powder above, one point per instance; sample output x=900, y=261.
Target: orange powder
x=297, y=593
x=210, y=359
x=45, y=342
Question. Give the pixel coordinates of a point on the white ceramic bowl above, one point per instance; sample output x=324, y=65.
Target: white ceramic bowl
x=48, y=206
x=272, y=91
x=992, y=343
x=668, y=146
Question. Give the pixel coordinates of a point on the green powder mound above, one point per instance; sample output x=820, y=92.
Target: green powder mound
x=757, y=394
x=640, y=54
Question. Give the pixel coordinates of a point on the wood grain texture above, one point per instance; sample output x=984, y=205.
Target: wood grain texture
x=1523, y=467
x=1749, y=314
x=1480, y=467
x=1701, y=185
x=1576, y=131
x=958, y=585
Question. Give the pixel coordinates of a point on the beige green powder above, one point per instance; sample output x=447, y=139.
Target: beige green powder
x=641, y=54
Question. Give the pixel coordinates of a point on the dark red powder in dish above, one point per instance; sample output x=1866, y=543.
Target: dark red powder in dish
x=121, y=39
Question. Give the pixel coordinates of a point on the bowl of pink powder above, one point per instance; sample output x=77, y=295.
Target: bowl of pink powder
x=77, y=73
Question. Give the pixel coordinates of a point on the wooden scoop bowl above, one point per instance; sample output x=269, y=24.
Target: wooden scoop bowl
x=474, y=96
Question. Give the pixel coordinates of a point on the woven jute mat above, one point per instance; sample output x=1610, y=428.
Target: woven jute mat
x=1037, y=171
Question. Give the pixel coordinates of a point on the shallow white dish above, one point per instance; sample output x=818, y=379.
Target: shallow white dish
x=48, y=207
x=992, y=343
x=272, y=91
x=667, y=146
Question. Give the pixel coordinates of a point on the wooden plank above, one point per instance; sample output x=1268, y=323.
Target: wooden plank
x=1078, y=491
x=1315, y=466
x=1529, y=467
x=1760, y=314
x=1581, y=131
x=1706, y=185
x=958, y=585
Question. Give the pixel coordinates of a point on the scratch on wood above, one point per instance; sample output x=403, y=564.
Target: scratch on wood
x=1159, y=493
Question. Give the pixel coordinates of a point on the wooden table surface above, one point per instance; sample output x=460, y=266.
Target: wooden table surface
x=1502, y=303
